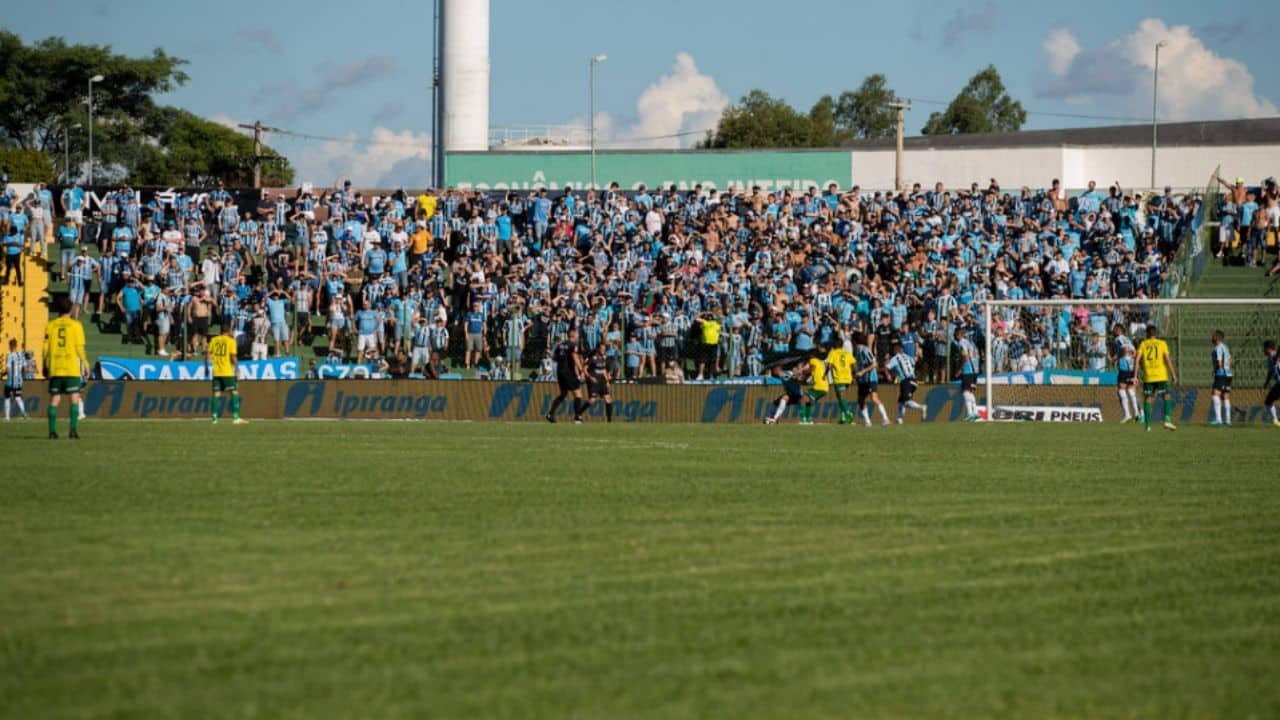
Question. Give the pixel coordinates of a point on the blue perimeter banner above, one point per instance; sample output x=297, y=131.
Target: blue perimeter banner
x=476, y=400
x=131, y=369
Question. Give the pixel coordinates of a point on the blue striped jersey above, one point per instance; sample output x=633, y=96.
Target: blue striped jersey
x=1221, y=360
x=969, y=357
x=866, y=359
x=422, y=336
x=902, y=367
x=1124, y=353
x=15, y=365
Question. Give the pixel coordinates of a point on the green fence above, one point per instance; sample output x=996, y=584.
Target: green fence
x=771, y=170
x=1197, y=244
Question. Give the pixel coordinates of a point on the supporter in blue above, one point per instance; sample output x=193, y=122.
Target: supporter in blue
x=13, y=243
x=129, y=302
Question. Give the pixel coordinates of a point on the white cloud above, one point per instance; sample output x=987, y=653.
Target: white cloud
x=387, y=159
x=1060, y=48
x=681, y=101
x=1195, y=82
x=225, y=121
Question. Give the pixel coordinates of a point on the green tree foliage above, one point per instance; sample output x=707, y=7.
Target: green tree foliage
x=26, y=166
x=43, y=88
x=982, y=106
x=759, y=120
x=195, y=151
x=865, y=112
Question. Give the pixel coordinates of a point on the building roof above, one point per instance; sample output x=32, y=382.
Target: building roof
x=1264, y=131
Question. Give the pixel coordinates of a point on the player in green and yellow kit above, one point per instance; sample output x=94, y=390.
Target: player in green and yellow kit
x=818, y=388
x=65, y=364
x=1156, y=368
x=840, y=367
x=221, y=353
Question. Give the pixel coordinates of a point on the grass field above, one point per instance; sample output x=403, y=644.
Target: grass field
x=316, y=570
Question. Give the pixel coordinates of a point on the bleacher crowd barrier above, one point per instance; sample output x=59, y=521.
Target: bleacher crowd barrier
x=476, y=400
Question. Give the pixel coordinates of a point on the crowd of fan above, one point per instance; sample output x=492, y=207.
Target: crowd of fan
x=698, y=283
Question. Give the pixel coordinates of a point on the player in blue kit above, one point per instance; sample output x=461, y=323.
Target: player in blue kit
x=1222, y=374
x=968, y=374
x=867, y=380
x=903, y=369
x=792, y=390
x=1123, y=350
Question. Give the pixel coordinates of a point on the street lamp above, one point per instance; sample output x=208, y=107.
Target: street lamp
x=92, y=80
x=592, y=94
x=1155, y=92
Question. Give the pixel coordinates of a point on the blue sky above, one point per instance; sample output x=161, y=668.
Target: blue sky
x=360, y=71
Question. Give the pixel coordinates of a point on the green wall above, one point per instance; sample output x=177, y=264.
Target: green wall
x=770, y=170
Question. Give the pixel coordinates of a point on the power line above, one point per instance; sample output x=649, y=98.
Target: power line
x=349, y=140
x=1076, y=116
x=330, y=138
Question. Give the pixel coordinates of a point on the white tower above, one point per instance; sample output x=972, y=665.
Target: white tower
x=464, y=74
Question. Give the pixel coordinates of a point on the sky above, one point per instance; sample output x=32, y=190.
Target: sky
x=358, y=73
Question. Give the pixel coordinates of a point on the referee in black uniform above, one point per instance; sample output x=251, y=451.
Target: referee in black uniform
x=569, y=375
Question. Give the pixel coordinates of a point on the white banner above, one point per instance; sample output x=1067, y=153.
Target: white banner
x=1045, y=413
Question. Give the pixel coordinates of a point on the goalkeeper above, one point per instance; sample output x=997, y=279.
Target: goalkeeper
x=1157, y=371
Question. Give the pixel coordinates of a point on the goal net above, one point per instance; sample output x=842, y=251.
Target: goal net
x=1043, y=354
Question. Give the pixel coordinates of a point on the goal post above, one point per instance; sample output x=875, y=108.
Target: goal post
x=1072, y=342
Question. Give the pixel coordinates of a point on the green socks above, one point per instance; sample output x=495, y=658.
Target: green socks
x=843, y=408
x=235, y=406
x=53, y=419
x=75, y=416
x=1168, y=409
x=1146, y=413
x=217, y=406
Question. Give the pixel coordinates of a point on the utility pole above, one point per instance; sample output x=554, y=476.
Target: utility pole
x=899, y=105
x=258, y=129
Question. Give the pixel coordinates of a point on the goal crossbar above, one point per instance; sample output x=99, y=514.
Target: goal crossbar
x=989, y=306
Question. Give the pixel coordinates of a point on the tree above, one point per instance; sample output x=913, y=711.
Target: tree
x=43, y=88
x=194, y=151
x=982, y=106
x=865, y=112
x=824, y=131
x=26, y=166
x=45, y=84
x=759, y=120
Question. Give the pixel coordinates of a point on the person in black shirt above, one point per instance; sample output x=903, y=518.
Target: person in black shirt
x=1122, y=279
x=598, y=381
x=569, y=374
x=885, y=335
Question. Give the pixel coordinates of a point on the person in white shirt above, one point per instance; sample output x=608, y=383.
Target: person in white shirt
x=369, y=239
x=172, y=237
x=653, y=221
x=211, y=271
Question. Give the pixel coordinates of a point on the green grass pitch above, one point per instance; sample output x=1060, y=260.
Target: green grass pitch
x=320, y=569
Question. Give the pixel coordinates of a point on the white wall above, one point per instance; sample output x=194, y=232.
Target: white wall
x=1181, y=167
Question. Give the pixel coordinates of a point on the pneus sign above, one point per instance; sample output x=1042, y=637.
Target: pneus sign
x=529, y=402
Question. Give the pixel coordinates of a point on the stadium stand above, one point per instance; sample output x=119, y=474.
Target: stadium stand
x=694, y=284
